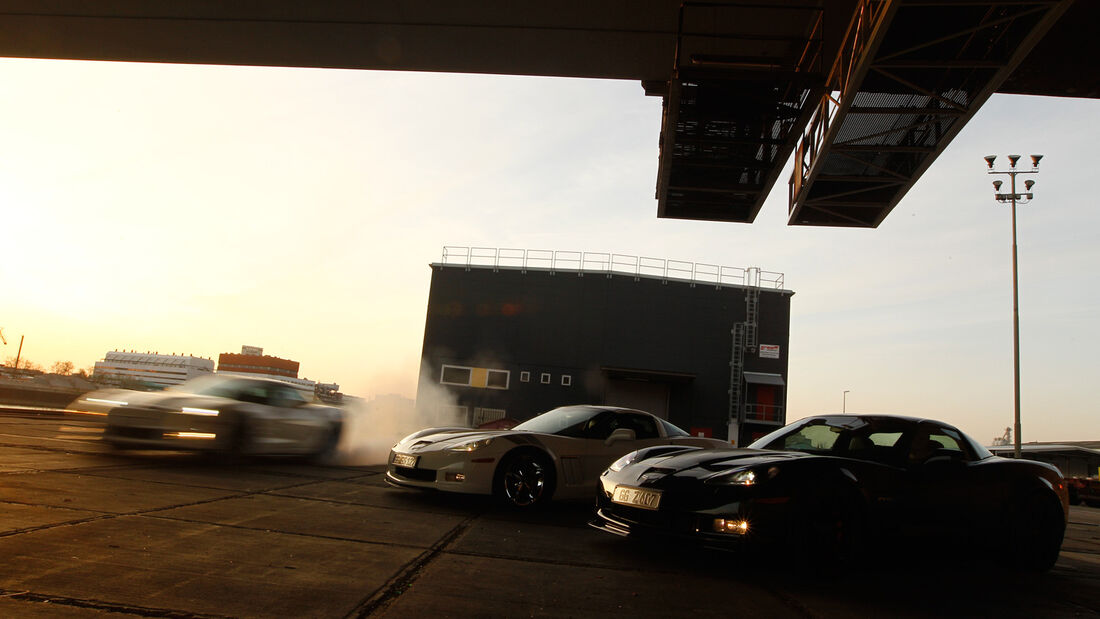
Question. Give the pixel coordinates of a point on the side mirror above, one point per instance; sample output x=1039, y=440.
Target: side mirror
x=620, y=434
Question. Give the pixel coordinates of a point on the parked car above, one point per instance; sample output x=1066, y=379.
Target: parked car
x=558, y=454
x=229, y=414
x=825, y=486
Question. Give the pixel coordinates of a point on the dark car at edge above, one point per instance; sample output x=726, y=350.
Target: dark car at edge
x=830, y=487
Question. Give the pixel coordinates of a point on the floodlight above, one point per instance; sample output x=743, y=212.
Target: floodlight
x=1012, y=159
x=1029, y=184
x=1035, y=160
x=997, y=185
x=990, y=159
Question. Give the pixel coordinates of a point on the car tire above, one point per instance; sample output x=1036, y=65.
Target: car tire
x=828, y=524
x=524, y=479
x=239, y=441
x=330, y=442
x=1038, y=527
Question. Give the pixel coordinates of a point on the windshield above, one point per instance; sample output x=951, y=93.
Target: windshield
x=559, y=420
x=862, y=438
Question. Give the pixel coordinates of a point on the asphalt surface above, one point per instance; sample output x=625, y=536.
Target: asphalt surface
x=88, y=532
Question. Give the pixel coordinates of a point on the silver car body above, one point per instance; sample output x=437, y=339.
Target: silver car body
x=218, y=413
x=467, y=460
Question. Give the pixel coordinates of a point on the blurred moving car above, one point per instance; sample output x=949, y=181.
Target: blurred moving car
x=557, y=454
x=825, y=486
x=228, y=414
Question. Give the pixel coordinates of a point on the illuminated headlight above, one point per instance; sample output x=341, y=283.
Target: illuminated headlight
x=199, y=435
x=209, y=412
x=624, y=461
x=746, y=477
x=472, y=445
x=731, y=527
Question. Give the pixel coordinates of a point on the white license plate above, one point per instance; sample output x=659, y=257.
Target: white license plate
x=636, y=497
x=404, y=460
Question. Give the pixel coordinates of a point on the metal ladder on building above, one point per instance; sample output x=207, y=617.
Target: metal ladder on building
x=744, y=336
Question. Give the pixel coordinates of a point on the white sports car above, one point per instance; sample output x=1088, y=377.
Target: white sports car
x=228, y=414
x=559, y=454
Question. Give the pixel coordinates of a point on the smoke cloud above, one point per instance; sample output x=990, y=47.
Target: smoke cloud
x=372, y=428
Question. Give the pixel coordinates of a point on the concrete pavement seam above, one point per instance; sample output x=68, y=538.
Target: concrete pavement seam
x=281, y=531
x=404, y=579
x=141, y=611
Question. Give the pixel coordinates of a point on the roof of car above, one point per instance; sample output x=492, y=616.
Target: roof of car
x=907, y=418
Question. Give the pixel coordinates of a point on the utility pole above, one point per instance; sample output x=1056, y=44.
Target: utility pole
x=1012, y=198
x=16, y=367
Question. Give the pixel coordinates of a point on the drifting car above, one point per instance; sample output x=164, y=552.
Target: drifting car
x=557, y=454
x=826, y=486
x=227, y=414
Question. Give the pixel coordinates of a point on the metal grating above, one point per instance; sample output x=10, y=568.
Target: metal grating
x=911, y=74
x=734, y=106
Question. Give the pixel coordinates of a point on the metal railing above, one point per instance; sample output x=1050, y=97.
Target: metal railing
x=609, y=263
x=864, y=22
x=764, y=413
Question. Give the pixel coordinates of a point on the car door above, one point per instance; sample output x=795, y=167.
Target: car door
x=292, y=421
x=948, y=496
x=599, y=453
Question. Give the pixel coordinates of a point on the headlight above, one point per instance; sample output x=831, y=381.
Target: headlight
x=624, y=461
x=472, y=445
x=209, y=412
x=744, y=477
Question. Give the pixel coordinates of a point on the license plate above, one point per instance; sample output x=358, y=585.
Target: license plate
x=636, y=497
x=404, y=460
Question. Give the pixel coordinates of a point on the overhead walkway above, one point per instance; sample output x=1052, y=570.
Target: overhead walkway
x=910, y=74
x=736, y=101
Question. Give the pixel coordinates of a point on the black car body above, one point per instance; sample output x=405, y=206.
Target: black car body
x=828, y=485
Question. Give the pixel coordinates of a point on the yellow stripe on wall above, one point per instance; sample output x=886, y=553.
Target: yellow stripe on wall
x=479, y=377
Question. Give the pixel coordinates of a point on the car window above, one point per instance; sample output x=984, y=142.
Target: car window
x=671, y=430
x=644, y=426
x=934, y=441
x=814, y=437
x=884, y=439
x=288, y=396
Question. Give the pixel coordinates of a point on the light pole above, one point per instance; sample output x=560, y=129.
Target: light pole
x=1012, y=198
x=844, y=407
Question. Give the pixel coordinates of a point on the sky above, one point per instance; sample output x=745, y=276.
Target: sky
x=194, y=209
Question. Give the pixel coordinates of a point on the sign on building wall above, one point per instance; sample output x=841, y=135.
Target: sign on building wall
x=769, y=351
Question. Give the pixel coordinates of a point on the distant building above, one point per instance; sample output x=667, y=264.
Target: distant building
x=513, y=333
x=1073, y=458
x=251, y=360
x=133, y=369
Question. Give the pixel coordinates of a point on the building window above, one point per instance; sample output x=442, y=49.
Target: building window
x=524, y=377
x=566, y=380
x=497, y=379
x=545, y=378
x=455, y=375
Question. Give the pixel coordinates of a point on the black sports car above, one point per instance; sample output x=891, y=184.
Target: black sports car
x=824, y=487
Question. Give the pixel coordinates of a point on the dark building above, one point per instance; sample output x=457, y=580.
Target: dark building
x=705, y=347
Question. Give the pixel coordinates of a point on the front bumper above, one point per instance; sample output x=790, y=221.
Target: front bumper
x=152, y=429
x=689, y=512
x=440, y=470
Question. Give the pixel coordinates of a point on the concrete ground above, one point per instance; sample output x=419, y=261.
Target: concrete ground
x=87, y=532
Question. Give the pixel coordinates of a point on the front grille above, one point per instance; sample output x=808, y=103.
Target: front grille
x=414, y=474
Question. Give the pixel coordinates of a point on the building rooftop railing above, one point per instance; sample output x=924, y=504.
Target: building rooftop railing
x=609, y=263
